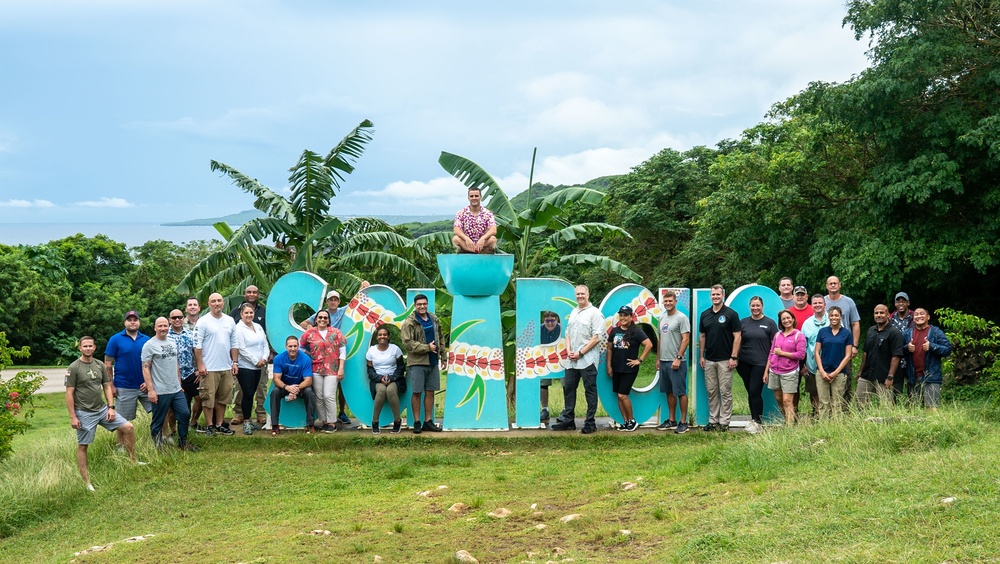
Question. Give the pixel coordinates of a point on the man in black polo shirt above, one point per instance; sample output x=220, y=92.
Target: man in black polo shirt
x=884, y=347
x=719, y=343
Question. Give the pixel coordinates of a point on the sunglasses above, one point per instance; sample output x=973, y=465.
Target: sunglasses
x=176, y=317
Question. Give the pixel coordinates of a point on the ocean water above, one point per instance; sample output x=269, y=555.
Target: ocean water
x=132, y=234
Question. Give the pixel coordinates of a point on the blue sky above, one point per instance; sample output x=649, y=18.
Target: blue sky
x=112, y=109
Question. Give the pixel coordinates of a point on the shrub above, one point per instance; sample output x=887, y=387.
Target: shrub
x=16, y=401
x=973, y=368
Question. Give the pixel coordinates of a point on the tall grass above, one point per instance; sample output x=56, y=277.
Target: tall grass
x=845, y=490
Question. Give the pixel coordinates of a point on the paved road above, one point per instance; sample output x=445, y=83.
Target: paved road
x=53, y=379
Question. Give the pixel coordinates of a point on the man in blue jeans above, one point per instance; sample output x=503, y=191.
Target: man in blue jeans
x=162, y=376
x=292, y=379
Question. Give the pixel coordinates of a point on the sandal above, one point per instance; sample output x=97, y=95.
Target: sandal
x=275, y=431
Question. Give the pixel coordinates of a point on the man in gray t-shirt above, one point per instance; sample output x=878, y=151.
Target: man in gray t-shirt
x=852, y=319
x=675, y=337
x=162, y=376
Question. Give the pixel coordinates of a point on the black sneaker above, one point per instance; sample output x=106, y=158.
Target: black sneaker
x=430, y=426
x=210, y=431
x=681, y=428
x=200, y=429
x=375, y=429
x=663, y=426
x=565, y=426
x=396, y=426
x=416, y=428
x=722, y=428
x=671, y=424
x=709, y=428
x=631, y=425
x=588, y=429
x=224, y=431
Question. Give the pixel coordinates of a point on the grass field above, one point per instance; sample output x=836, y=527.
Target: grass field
x=909, y=487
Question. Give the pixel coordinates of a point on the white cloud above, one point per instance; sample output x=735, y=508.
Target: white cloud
x=117, y=203
x=417, y=196
x=27, y=204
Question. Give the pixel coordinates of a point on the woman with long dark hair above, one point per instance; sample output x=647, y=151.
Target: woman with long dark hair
x=758, y=330
x=254, y=352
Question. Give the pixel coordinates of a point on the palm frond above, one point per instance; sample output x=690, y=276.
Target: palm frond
x=312, y=187
x=379, y=259
x=542, y=210
x=340, y=159
x=267, y=200
x=440, y=237
x=573, y=232
x=604, y=263
x=474, y=176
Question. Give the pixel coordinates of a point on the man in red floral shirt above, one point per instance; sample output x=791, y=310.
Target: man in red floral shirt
x=475, y=227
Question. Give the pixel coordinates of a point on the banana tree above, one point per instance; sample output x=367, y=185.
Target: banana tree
x=533, y=235
x=299, y=233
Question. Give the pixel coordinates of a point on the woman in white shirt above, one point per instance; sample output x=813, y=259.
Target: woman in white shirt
x=254, y=352
x=386, y=375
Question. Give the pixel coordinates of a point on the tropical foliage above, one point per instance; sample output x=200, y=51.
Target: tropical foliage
x=299, y=232
x=535, y=234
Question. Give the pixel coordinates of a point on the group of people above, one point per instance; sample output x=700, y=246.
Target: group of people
x=814, y=341
x=187, y=368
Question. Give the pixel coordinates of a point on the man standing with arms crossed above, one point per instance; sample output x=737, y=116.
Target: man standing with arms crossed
x=852, y=320
x=585, y=332
x=719, y=342
x=421, y=334
x=215, y=355
x=162, y=375
x=123, y=363
x=675, y=336
x=85, y=381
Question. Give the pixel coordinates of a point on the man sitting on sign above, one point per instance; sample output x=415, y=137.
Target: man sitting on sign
x=475, y=227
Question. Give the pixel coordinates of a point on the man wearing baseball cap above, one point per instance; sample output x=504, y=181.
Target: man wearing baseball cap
x=902, y=317
x=123, y=360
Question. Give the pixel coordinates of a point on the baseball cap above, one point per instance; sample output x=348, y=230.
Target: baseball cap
x=800, y=290
x=903, y=295
x=625, y=309
x=332, y=293
x=132, y=313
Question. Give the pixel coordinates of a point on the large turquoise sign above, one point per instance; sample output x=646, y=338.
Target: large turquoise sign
x=476, y=396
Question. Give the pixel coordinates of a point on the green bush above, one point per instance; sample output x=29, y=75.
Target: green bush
x=972, y=372
x=16, y=402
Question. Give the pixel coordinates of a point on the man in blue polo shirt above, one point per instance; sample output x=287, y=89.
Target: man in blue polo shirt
x=123, y=360
x=292, y=379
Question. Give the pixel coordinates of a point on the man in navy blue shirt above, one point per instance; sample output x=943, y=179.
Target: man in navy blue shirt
x=123, y=360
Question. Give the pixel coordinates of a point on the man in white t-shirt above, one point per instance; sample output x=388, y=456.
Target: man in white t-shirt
x=215, y=354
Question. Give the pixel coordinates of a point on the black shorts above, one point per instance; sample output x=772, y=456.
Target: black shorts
x=190, y=387
x=622, y=382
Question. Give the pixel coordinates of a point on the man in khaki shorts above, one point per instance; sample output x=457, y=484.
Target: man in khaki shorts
x=215, y=353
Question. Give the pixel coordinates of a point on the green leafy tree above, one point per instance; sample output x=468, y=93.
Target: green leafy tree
x=657, y=202
x=299, y=233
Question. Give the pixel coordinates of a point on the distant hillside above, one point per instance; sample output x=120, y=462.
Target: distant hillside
x=246, y=215
x=540, y=190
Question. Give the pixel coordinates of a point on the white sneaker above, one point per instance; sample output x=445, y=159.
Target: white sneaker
x=754, y=427
x=90, y=488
